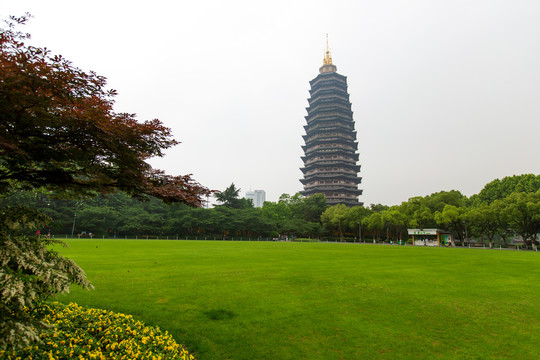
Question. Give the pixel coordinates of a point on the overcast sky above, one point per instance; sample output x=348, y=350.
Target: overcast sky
x=445, y=94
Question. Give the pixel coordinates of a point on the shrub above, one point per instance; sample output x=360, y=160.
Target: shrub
x=86, y=333
x=30, y=273
x=306, y=240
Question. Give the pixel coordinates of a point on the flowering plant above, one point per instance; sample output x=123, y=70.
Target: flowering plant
x=75, y=332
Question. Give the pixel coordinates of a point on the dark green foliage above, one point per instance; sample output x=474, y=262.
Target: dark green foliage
x=30, y=273
x=229, y=198
x=514, y=211
x=120, y=215
x=500, y=189
x=377, y=207
x=523, y=211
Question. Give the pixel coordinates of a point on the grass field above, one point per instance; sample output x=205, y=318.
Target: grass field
x=265, y=300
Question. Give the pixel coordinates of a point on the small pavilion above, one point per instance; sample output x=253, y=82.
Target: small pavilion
x=431, y=237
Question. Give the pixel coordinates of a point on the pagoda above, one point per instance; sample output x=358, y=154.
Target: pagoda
x=330, y=150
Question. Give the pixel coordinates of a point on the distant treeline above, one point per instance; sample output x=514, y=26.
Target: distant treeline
x=502, y=210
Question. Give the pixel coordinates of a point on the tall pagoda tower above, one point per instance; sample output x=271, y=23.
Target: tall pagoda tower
x=330, y=150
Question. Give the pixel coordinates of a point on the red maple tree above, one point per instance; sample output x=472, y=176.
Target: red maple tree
x=58, y=130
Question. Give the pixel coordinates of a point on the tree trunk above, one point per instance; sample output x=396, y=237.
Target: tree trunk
x=490, y=240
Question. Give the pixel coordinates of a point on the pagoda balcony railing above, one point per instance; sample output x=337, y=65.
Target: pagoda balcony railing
x=322, y=140
x=330, y=89
x=323, y=129
x=347, y=168
x=344, y=178
x=331, y=154
x=330, y=108
x=348, y=147
x=320, y=80
x=331, y=174
x=315, y=182
x=335, y=191
x=332, y=188
x=331, y=170
x=326, y=162
x=322, y=157
x=352, y=201
x=309, y=170
x=329, y=98
x=325, y=137
x=329, y=105
x=342, y=196
x=353, y=170
x=330, y=194
x=319, y=127
x=329, y=148
x=331, y=135
x=329, y=118
x=345, y=186
x=332, y=132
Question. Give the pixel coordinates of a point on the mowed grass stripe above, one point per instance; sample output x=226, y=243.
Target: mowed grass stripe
x=264, y=300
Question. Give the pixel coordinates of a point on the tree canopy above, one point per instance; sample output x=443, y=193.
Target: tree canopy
x=498, y=189
x=59, y=130
x=230, y=198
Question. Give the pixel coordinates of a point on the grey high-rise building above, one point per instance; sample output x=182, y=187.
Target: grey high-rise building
x=257, y=196
x=330, y=150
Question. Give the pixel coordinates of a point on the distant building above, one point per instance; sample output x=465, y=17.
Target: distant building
x=330, y=150
x=257, y=196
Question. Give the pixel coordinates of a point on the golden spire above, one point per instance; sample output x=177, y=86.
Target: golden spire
x=327, y=61
x=327, y=57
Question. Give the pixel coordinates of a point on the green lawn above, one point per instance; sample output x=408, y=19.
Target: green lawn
x=264, y=300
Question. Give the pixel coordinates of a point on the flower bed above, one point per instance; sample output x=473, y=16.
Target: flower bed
x=81, y=333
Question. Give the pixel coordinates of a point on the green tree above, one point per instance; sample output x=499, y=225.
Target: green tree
x=422, y=217
x=524, y=215
x=501, y=217
x=454, y=218
x=397, y=220
x=378, y=207
x=483, y=218
x=314, y=207
x=375, y=223
x=354, y=217
x=420, y=211
x=334, y=218
x=499, y=189
x=278, y=213
x=230, y=198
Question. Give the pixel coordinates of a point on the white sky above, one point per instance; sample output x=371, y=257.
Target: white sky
x=445, y=94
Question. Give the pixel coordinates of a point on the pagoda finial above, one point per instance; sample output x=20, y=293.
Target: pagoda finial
x=326, y=42
x=327, y=57
x=327, y=61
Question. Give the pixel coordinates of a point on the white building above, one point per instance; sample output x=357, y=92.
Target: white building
x=257, y=196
